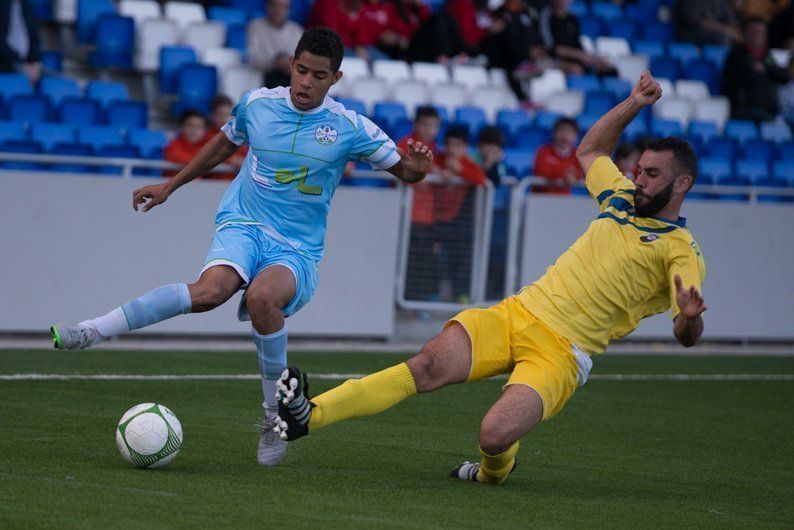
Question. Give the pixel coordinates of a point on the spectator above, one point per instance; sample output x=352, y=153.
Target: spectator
x=270, y=42
x=787, y=95
x=706, y=22
x=491, y=154
x=438, y=40
x=352, y=20
x=557, y=161
x=559, y=29
x=626, y=157
x=402, y=20
x=781, y=29
x=766, y=10
x=473, y=19
x=220, y=113
x=192, y=137
x=751, y=77
x=19, y=39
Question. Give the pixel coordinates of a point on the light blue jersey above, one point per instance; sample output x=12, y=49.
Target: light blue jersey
x=294, y=164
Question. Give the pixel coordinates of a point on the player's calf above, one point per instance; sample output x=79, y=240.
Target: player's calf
x=294, y=407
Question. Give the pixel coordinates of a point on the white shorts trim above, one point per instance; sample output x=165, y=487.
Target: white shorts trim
x=583, y=363
x=220, y=261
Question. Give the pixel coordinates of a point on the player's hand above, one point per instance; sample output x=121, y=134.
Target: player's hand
x=155, y=194
x=418, y=158
x=689, y=300
x=647, y=91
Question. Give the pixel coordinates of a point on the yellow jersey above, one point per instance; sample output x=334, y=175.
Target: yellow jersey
x=618, y=272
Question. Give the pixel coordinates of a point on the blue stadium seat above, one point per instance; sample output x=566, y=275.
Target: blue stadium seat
x=772, y=182
x=546, y=120
x=29, y=108
x=685, y=52
x=150, y=143
x=519, y=162
x=14, y=85
x=128, y=114
x=354, y=104
x=12, y=130
x=619, y=88
x=775, y=131
x=650, y=48
x=98, y=136
x=387, y=113
x=579, y=8
x=115, y=41
x=741, y=130
x=704, y=131
x=58, y=88
x=622, y=28
x=722, y=148
x=510, y=121
x=52, y=62
x=71, y=149
x=80, y=111
x=606, y=10
x=658, y=31
x=443, y=113
x=228, y=15
x=591, y=26
x=587, y=119
x=663, y=128
x=116, y=151
x=401, y=128
x=758, y=149
x=49, y=134
x=785, y=150
x=43, y=9
x=106, y=92
x=784, y=169
x=20, y=146
x=531, y=137
x=713, y=169
x=637, y=129
x=703, y=70
x=88, y=14
x=235, y=39
x=586, y=83
x=598, y=103
x=172, y=58
x=299, y=11
x=752, y=169
x=715, y=54
x=197, y=84
x=666, y=67
x=640, y=12
x=473, y=118
x=247, y=5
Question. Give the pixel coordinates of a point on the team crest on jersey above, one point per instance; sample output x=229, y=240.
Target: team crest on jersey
x=325, y=134
x=649, y=238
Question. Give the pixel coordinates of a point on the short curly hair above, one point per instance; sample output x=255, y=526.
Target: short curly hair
x=324, y=42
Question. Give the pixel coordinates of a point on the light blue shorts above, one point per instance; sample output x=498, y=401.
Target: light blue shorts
x=249, y=251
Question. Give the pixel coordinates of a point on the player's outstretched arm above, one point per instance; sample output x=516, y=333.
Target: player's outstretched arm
x=415, y=163
x=688, y=326
x=214, y=153
x=603, y=137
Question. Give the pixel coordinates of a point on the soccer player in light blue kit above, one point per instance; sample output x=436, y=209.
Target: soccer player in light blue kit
x=271, y=222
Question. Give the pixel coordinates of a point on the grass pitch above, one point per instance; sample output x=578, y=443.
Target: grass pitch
x=659, y=453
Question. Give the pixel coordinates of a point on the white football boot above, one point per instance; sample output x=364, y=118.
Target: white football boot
x=74, y=337
x=271, y=447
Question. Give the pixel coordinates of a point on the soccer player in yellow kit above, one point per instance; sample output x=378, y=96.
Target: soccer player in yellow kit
x=635, y=260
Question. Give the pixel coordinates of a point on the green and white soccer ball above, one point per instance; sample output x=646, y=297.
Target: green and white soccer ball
x=149, y=435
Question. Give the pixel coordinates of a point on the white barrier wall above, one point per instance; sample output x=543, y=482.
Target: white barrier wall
x=748, y=248
x=72, y=247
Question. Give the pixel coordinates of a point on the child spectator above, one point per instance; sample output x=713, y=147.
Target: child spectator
x=220, y=112
x=192, y=137
x=557, y=161
x=626, y=157
x=491, y=154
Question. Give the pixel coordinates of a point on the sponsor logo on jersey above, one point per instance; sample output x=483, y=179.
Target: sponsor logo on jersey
x=649, y=238
x=325, y=134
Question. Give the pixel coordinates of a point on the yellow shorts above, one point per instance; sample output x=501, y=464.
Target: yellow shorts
x=508, y=338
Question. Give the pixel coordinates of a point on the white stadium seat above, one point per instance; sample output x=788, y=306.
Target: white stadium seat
x=352, y=68
x=775, y=131
x=411, y=93
x=369, y=90
x=672, y=108
x=236, y=80
x=450, y=96
x=715, y=109
x=65, y=11
x=152, y=35
x=140, y=10
x=780, y=56
x=184, y=13
x=548, y=83
x=691, y=89
x=668, y=89
x=492, y=99
x=391, y=71
x=204, y=35
x=569, y=103
x=587, y=43
x=612, y=47
x=499, y=77
x=431, y=73
x=470, y=76
x=221, y=58
x=631, y=66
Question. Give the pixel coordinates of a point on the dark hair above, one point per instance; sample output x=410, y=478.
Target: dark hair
x=562, y=122
x=753, y=20
x=457, y=132
x=426, y=111
x=219, y=101
x=683, y=154
x=190, y=113
x=626, y=149
x=491, y=135
x=324, y=42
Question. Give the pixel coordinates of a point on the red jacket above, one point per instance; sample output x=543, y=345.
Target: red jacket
x=449, y=198
x=424, y=200
x=180, y=151
x=342, y=17
x=549, y=164
x=466, y=14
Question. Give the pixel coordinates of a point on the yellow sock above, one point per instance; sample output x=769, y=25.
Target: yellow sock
x=363, y=397
x=494, y=469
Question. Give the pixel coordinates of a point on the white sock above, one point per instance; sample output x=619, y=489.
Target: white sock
x=110, y=325
x=269, y=391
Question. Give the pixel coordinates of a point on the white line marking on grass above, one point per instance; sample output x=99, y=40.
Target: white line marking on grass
x=339, y=377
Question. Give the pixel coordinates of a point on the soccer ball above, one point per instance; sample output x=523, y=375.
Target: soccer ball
x=149, y=435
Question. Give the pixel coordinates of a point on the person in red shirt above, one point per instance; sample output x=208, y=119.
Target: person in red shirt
x=220, y=112
x=192, y=137
x=401, y=19
x=356, y=21
x=557, y=161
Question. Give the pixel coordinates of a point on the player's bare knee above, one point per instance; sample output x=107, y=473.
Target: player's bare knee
x=205, y=296
x=266, y=314
x=428, y=373
x=495, y=440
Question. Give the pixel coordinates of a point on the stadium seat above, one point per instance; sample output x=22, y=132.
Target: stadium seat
x=172, y=58
x=498, y=77
x=714, y=169
x=65, y=11
x=668, y=88
x=230, y=16
x=651, y=49
x=449, y=96
x=58, y=88
x=636, y=130
x=115, y=42
x=204, y=35
x=613, y=48
x=387, y=113
x=196, y=85
x=412, y=94
x=14, y=85
x=52, y=62
x=151, y=36
x=715, y=54
x=606, y=10
x=704, y=131
x=430, y=73
x=641, y=12
x=663, y=128
x=510, y=121
x=299, y=11
x=586, y=120
x=545, y=120
x=548, y=83
x=758, y=149
x=236, y=39
x=491, y=99
x=150, y=143
x=676, y=109
x=598, y=103
x=586, y=83
x=630, y=67
x=667, y=67
x=580, y=8
x=71, y=149
x=236, y=80
x=88, y=14
x=741, y=130
x=355, y=105
x=49, y=134
x=116, y=151
x=519, y=162
x=567, y=103
x=12, y=130
x=80, y=111
x=184, y=13
x=221, y=58
x=781, y=56
x=702, y=70
x=22, y=147
x=29, y=108
x=716, y=110
x=587, y=43
x=692, y=90
x=622, y=28
x=369, y=90
x=752, y=169
x=140, y=10
x=591, y=27
x=391, y=71
x=658, y=31
x=684, y=52
x=724, y=148
x=129, y=114
x=98, y=136
x=775, y=131
x=473, y=118
x=784, y=169
x=105, y=92
x=619, y=88
x=470, y=76
x=43, y=9
x=785, y=150
x=353, y=69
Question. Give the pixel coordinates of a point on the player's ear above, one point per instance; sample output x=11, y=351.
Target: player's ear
x=337, y=77
x=683, y=183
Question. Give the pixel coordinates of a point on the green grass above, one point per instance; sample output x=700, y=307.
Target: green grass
x=647, y=454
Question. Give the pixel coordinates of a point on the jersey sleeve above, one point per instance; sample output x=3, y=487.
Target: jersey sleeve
x=235, y=129
x=374, y=146
x=687, y=261
x=604, y=180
